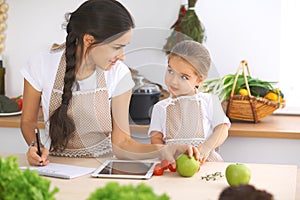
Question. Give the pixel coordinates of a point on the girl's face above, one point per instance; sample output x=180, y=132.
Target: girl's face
x=181, y=77
x=106, y=55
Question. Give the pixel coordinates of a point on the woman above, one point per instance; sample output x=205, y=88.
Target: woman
x=85, y=90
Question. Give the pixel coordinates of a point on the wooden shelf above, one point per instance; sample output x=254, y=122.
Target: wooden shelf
x=15, y=121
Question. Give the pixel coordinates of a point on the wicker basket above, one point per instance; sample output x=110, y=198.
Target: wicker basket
x=248, y=108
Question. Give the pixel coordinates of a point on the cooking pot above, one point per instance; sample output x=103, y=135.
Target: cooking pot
x=143, y=97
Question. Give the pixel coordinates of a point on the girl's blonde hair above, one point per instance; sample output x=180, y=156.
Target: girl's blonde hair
x=194, y=53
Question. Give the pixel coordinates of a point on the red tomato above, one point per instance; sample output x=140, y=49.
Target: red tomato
x=164, y=164
x=19, y=100
x=158, y=170
x=171, y=168
x=20, y=103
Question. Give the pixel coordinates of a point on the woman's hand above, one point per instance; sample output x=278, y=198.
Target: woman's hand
x=34, y=159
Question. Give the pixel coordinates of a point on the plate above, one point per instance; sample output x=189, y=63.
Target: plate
x=11, y=114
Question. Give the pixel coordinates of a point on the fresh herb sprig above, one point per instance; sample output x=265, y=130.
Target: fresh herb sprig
x=212, y=177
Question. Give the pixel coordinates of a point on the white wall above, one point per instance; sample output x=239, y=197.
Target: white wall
x=33, y=26
x=236, y=30
x=248, y=29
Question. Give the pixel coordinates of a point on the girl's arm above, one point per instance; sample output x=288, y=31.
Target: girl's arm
x=156, y=125
x=29, y=119
x=156, y=137
x=217, y=138
x=127, y=148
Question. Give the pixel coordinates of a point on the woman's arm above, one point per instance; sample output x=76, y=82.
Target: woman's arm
x=29, y=118
x=124, y=145
x=127, y=148
x=217, y=138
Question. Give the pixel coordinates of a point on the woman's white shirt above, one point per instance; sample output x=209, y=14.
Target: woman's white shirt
x=41, y=70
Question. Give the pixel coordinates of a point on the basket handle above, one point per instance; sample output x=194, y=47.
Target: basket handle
x=243, y=66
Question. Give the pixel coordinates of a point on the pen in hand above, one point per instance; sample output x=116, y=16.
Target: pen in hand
x=37, y=136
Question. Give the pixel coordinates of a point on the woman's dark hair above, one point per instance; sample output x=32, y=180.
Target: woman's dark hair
x=105, y=20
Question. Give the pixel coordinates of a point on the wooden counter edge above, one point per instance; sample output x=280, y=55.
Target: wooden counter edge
x=236, y=133
x=232, y=133
x=264, y=134
x=236, y=130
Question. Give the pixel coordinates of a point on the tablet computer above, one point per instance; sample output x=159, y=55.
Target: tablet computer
x=132, y=169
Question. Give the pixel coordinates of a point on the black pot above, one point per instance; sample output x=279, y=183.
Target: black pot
x=141, y=103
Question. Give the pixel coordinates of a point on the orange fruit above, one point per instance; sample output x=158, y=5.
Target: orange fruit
x=271, y=96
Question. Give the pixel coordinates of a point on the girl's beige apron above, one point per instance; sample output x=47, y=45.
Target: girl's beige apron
x=91, y=113
x=184, y=124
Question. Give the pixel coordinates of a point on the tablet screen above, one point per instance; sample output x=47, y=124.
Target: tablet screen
x=125, y=169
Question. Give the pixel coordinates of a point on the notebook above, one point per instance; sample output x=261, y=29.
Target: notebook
x=60, y=170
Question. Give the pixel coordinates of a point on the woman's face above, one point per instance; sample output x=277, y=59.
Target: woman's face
x=106, y=55
x=181, y=77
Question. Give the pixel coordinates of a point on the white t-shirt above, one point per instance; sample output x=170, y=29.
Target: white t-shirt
x=212, y=112
x=41, y=70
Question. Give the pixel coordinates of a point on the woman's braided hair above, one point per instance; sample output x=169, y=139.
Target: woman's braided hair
x=105, y=20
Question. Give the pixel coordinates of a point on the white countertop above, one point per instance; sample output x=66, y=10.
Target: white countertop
x=279, y=180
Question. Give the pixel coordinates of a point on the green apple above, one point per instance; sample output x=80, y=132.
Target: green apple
x=237, y=174
x=187, y=166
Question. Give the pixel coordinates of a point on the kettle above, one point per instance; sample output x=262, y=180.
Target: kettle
x=143, y=98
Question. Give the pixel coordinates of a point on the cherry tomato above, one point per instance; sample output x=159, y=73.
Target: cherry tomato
x=164, y=164
x=171, y=168
x=158, y=170
x=20, y=103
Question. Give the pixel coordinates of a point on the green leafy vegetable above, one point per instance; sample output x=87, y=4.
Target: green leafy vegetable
x=18, y=184
x=114, y=191
x=223, y=86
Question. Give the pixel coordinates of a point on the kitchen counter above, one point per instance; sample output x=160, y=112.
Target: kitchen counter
x=15, y=121
x=272, y=126
x=280, y=180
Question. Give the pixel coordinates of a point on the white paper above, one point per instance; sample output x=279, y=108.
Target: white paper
x=60, y=170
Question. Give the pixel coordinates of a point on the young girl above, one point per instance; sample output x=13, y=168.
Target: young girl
x=189, y=116
x=85, y=89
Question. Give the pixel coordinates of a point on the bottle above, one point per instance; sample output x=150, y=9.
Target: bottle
x=2, y=78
